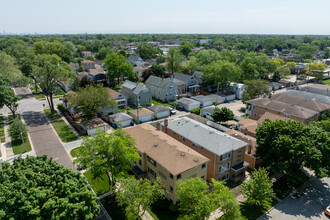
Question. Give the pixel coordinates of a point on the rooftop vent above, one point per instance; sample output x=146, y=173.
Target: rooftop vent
x=182, y=154
x=235, y=135
x=155, y=145
x=195, y=160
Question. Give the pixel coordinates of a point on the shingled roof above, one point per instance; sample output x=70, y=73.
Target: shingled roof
x=159, y=82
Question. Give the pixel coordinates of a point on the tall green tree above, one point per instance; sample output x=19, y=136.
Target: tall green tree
x=173, y=59
x=118, y=67
x=109, y=154
x=316, y=69
x=91, y=99
x=103, y=53
x=185, y=48
x=222, y=115
x=254, y=89
x=287, y=146
x=40, y=188
x=258, y=190
x=48, y=73
x=147, y=51
x=221, y=73
x=138, y=195
x=9, y=68
x=8, y=98
x=158, y=70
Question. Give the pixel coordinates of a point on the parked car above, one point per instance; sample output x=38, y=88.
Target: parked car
x=172, y=111
x=327, y=211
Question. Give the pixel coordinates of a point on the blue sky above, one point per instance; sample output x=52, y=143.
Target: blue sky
x=170, y=16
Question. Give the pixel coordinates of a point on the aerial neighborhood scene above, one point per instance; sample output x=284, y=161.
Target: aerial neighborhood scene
x=180, y=110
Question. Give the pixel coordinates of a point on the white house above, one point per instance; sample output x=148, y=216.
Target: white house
x=122, y=119
x=135, y=60
x=238, y=89
x=93, y=124
x=188, y=104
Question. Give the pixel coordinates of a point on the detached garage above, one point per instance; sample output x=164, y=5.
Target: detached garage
x=91, y=125
x=122, y=119
x=188, y=104
x=160, y=111
x=204, y=100
x=141, y=115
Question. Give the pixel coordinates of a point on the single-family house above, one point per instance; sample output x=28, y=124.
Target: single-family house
x=150, y=62
x=81, y=75
x=188, y=104
x=137, y=94
x=160, y=111
x=207, y=112
x=191, y=82
x=92, y=125
x=120, y=99
x=226, y=153
x=286, y=83
x=74, y=66
x=141, y=115
x=135, y=60
x=139, y=71
x=276, y=85
x=180, y=85
x=121, y=119
x=86, y=54
x=87, y=65
x=198, y=77
x=238, y=89
x=97, y=75
x=164, y=157
x=162, y=89
x=204, y=100
x=66, y=103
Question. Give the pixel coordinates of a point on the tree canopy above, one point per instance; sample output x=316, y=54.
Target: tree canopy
x=173, y=59
x=254, y=88
x=40, y=188
x=222, y=115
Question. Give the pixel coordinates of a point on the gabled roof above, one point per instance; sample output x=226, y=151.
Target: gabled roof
x=142, y=112
x=87, y=61
x=113, y=93
x=209, y=138
x=140, y=88
x=309, y=95
x=202, y=98
x=171, y=154
x=133, y=58
x=159, y=108
x=81, y=75
x=247, y=139
x=209, y=109
x=187, y=101
x=129, y=84
x=159, y=82
x=198, y=76
x=317, y=89
x=119, y=117
x=178, y=82
x=183, y=77
x=94, y=123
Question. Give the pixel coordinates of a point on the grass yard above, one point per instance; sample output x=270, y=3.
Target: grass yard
x=41, y=95
x=159, y=102
x=18, y=146
x=2, y=131
x=63, y=130
x=252, y=212
x=51, y=117
x=100, y=185
x=113, y=208
x=326, y=81
x=74, y=152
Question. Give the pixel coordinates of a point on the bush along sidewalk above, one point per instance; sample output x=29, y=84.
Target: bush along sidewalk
x=16, y=126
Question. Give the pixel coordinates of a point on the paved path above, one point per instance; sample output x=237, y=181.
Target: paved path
x=311, y=205
x=44, y=138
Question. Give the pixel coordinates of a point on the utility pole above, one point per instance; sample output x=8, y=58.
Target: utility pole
x=137, y=111
x=20, y=129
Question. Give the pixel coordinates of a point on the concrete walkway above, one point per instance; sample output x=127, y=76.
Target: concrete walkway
x=8, y=147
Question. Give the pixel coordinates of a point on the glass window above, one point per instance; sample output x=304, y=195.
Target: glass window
x=171, y=189
x=178, y=177
x=152, y=173
x=203, y=165
x=171, y=176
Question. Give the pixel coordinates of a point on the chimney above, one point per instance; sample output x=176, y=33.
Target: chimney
x=165, y=123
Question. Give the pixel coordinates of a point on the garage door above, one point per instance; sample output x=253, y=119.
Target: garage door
x=163, y=114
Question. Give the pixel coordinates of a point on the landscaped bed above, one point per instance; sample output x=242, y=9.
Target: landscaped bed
x=74, y=152
x=100, y=185
x=17, y=144
x=2, y=130
x=61, y=128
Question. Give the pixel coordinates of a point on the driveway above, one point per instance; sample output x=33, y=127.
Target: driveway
x=311, y=205
x=235, y=106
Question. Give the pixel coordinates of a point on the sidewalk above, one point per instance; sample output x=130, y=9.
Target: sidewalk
x=9, y=149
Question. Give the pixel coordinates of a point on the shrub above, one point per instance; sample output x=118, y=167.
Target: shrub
x=61, y=107
x=196, y=111
x=14, y=130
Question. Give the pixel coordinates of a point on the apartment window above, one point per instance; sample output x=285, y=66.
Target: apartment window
x=151, y=161
x=224, y=178
x=224, y=167
x=182, y=138
x=152, y=173
x=174, y=133
x=140, y=162
x=286, y=116
x=171, y=189
x=225, y=156
x=255, y=114
x=194, y=146
x=178, y=177
x=253, y=106
x=171, y=176
x=169, y=131
x=203, y=165
x=203, y=177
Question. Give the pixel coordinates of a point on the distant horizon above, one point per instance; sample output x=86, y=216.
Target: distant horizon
x=280, y=17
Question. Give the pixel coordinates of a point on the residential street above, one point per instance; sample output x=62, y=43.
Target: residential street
x=310, y=205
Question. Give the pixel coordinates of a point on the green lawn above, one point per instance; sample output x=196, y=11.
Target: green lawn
x=40, y=94
x=75, y=151
x=63, y=130
x=2, y=131
x=327, y=81
x=251, y=212
x=100, y=185
x=51, y=116
x=113, y=208
x=18, y=146
x=159, y=102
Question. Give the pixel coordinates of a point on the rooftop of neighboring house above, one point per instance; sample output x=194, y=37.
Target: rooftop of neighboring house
x=159, y=82
x=299, y=101
x=197, y=118
x=188, y=101
x=94, y=72
x=159, y=108
x=325, y=99
x=198, y=76
x=283, y=107
x=113, y=93
x=183, y=77
x=317, y=89
x=86, y=52
x=142, y=112
x=129, y=84
x=140, y=68
x=178, y=82
x=120, y=117
x=202, y=98
x=209, y=109
x=174, y=156
x=270, y=116
x=209, y=138
x=246, y=138
x=133, y=58
x=94, y=123
x=81, y=75
x=140, y=88
x=135, y=88
x=87, y=61
x=73, y=64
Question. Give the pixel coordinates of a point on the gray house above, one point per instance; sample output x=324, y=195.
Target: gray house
x=136, y=94
x=191, y=81
x=162, y=89
x=135, y=60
